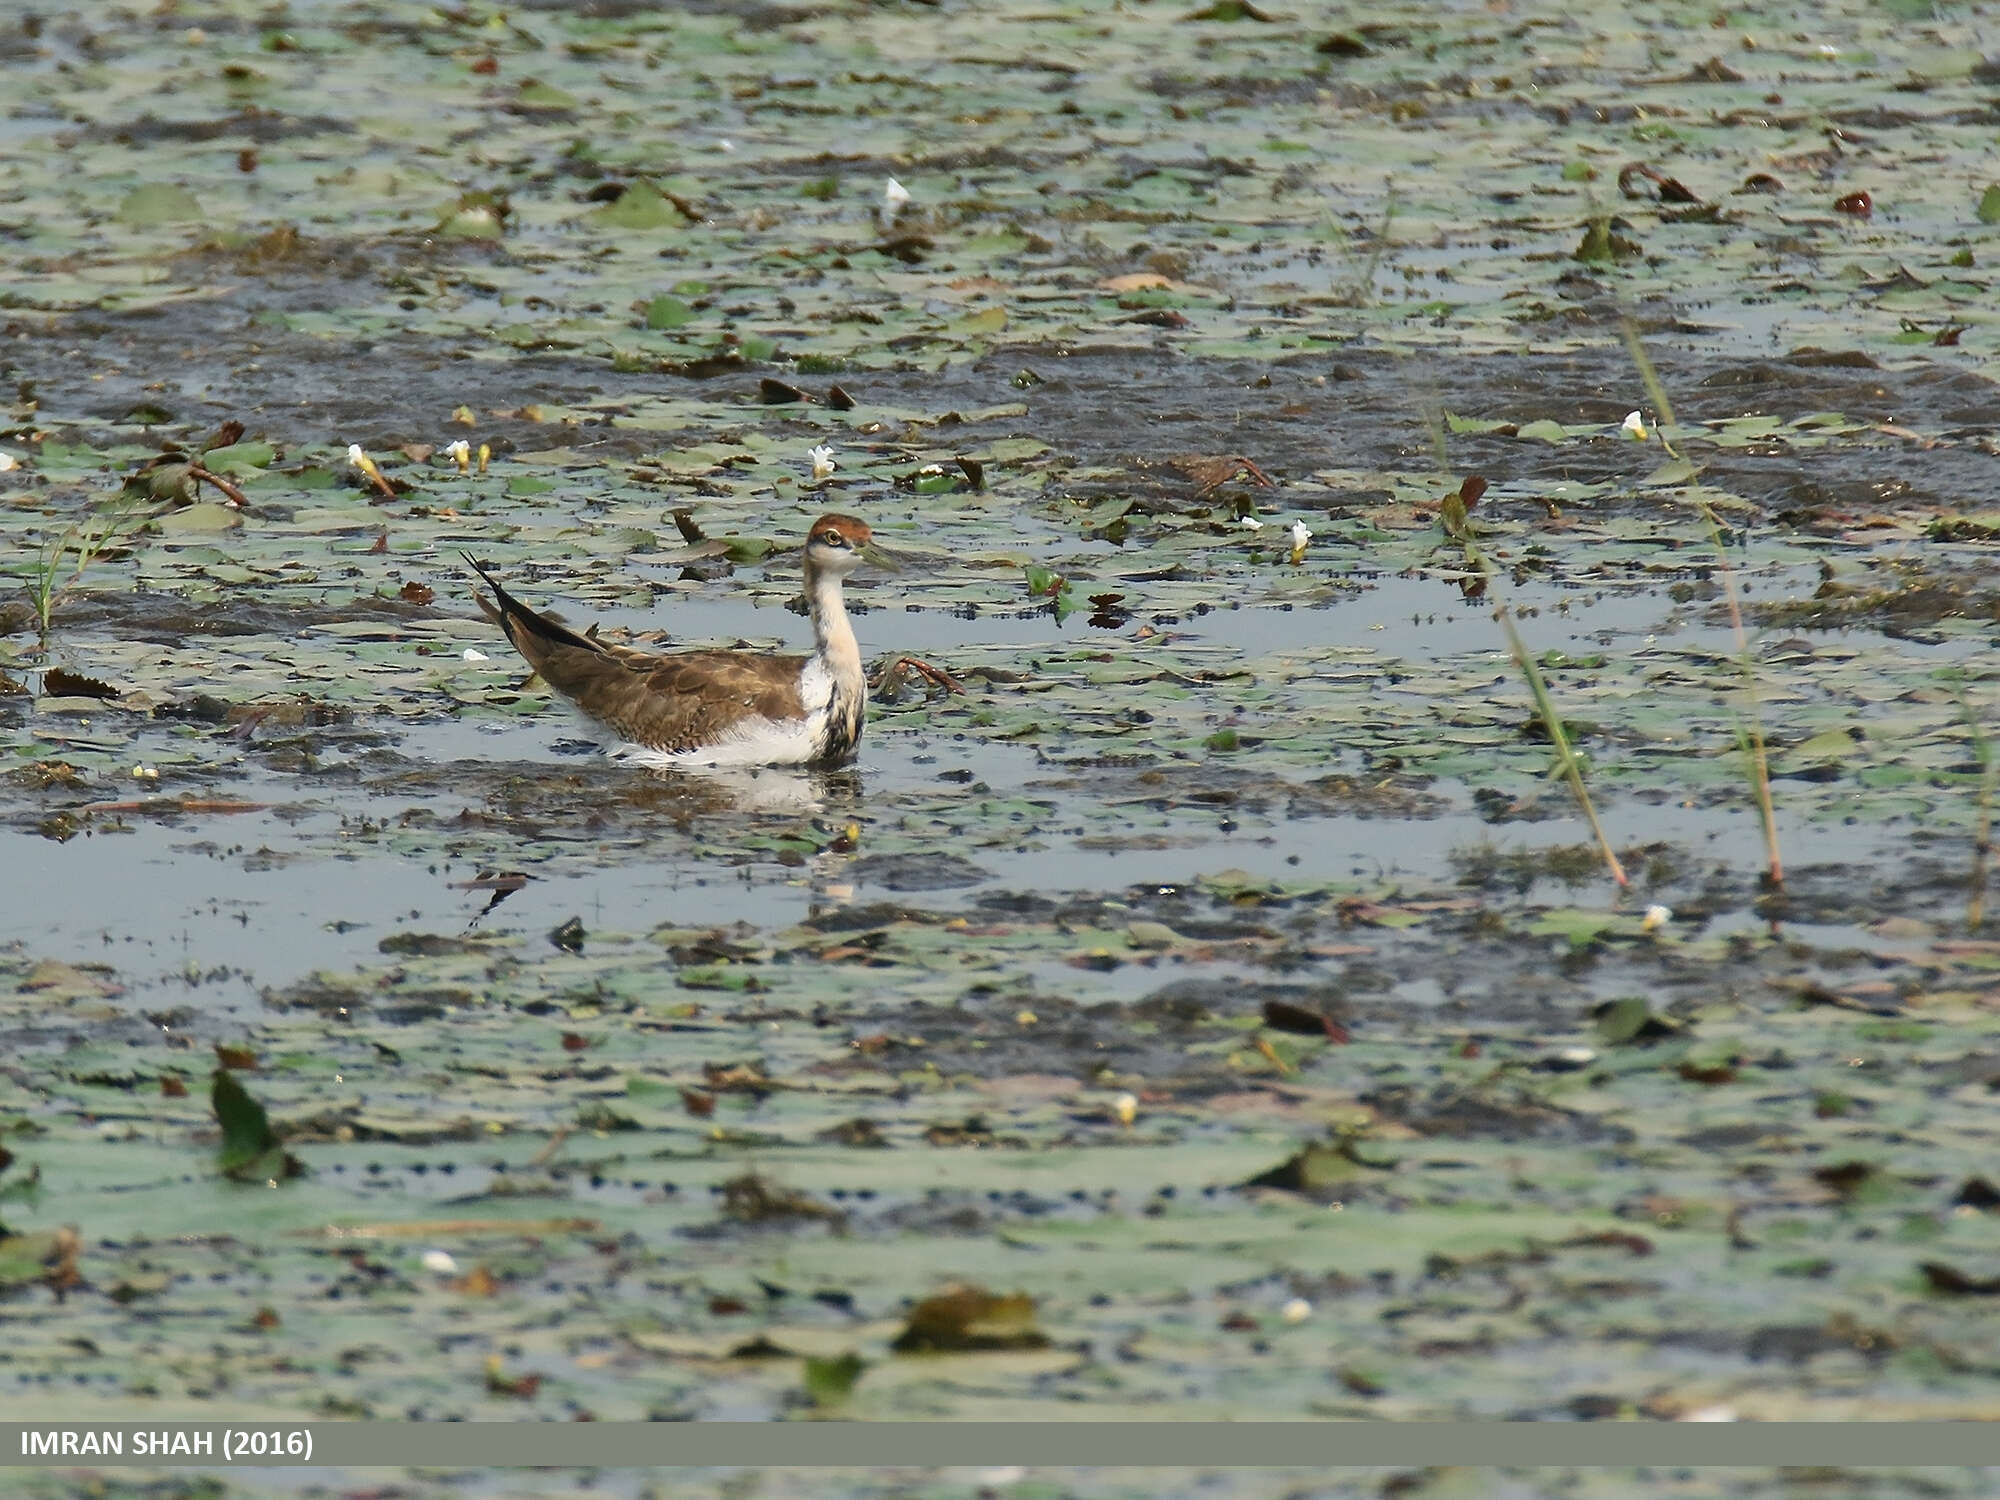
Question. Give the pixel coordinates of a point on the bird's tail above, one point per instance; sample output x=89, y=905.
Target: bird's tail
x=531, y=632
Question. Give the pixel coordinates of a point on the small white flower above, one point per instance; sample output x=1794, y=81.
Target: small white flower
x=1126, y=1107
x=1296, y=1311
x=146, y=773
x=895, y=197
x=360, y=460
x=1576, y=1057
x=1634, y=426
x=1251, y=523
x=8, y=463
x=1711, y=1414
x=1828, y=52
x=473, y=653
x=460, y=453
x=1301, y=534
x=440, y=1262
x=1656, y=917
x=823, y=464
x=725, y=145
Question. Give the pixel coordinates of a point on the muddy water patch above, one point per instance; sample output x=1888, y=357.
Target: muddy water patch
x=1369, y=768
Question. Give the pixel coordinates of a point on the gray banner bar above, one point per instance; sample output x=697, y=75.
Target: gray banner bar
x=1204, y=1445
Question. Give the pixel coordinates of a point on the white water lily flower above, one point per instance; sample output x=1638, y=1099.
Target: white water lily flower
x=8, y=463
x=1296, y=1311
x=359, y=458
x=440, y=1262
x=823, y=464
x=1656, y=917
x=895, y=197
x=1251, y=523
x=1634, y=426
x=460, y=453
x=1126, y=1107
x=1301, y=534
x=473, y=653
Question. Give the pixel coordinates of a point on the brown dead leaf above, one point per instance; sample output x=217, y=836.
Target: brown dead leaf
x=1211, y=471
x=56, y=683
x=736, y=1078
x=1280, y=1015
x=52, y=1254
x=53, y=976
x=1401, y=517
x=1610, y=1239
x=1953, y=1282
x=967, y=1318
x=757, y=1199
x=522, y=1387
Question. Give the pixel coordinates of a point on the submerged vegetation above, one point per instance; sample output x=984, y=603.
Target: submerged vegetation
x=1217, y=1007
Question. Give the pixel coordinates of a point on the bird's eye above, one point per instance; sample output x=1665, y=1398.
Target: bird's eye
x=832, y=539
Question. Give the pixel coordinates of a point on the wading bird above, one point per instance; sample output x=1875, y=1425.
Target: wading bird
x=715, y=708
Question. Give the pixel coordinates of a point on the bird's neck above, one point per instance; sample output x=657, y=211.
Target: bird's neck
x=833, y=636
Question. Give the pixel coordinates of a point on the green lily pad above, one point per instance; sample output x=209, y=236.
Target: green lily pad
x=640, y=207
x=159, y=203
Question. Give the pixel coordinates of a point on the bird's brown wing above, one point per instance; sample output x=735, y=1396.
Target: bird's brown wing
x=672, y=703
x=687, y=701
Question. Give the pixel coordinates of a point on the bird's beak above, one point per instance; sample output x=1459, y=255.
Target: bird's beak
x=875, y=555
